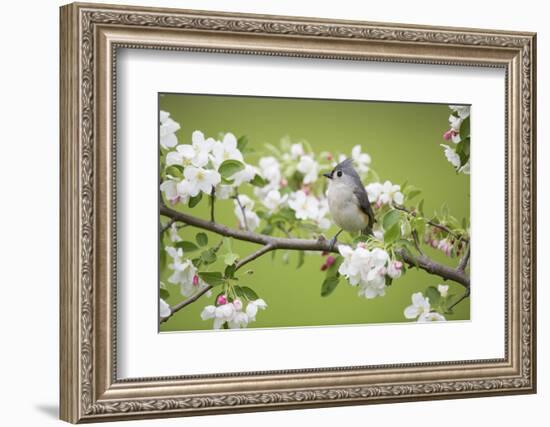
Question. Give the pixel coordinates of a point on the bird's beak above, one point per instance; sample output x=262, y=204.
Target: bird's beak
x=328, y=175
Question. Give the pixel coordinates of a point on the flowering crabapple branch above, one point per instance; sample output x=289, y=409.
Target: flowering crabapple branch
x=433, y=223
x=174, y=309
x=320, y=245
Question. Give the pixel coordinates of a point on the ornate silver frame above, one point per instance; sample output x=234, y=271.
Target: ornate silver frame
x=90, y=36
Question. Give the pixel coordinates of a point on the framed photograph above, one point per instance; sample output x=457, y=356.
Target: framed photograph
x=265, y=212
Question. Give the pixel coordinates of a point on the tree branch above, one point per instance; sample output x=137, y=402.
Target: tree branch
x=462, y=298
x=464, y=260
x=186, y=302
x=267, y=248
x=319, y=245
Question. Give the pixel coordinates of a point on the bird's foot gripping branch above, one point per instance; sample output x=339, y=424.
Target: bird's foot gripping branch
x=280, y=203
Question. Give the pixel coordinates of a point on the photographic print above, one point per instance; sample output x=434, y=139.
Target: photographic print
x=285, y=212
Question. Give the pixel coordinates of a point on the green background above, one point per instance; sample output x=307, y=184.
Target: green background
x=403, y=141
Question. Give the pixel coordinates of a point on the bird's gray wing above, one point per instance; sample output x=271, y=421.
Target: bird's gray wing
x=364, y=203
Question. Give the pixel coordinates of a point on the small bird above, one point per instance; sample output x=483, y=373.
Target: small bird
x=348, y=201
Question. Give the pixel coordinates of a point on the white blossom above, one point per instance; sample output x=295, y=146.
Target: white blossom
x=232, y=313
x=361, y=160
x=175, y=191
x=384, y=194
x=270, y=170
x=199, y=179
x=221, y=314
x=226, y=150
x=296, y=151
x=184, y=273
x=365, y=268
x=168, y=129
x=309, y=168
x=196, y=154
x=173, y=252
x=374, y=190
x=246, y=204
x=253, y=307
x=420, y=305
x=451, y=156
x=463, y=111
x=173, y=233
x=431, y=317
x=164, y=308
x=395, y=269
x=420, y=309
x=273, y=200
x=245, y=175
x=443, y=290
x=223, y=192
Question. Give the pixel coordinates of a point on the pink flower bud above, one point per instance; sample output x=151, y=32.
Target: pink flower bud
x=222, y=300
x=398, y=265
x=447, y=136
x=330, y=157
x=330, y=260
x=195, y=280
x=238, y=304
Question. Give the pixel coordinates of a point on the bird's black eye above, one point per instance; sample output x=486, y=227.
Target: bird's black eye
x=339, y=174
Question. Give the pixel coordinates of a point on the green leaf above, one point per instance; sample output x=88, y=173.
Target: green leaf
x=434, y=296
x=258, y=181
x=229, y=168
x=164, y=294
x=390, y=219
x=392, y=234
x=202, y=239
x=230, y=271
x=301, y=258
x=329, y=285
x=212, y=278
x=226, y=242
x=209, y=256
x=227, y=181
x=175, y=170
x=332, y=271
x=420, y=207
x=242, y=142
x=413, y=192
x=249, y=293
x=238, y=290
x=230, y=258
x=186, y=246
x=465, y=128
x=194, y=201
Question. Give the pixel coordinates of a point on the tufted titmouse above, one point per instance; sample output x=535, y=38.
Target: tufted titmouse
x=348, y=201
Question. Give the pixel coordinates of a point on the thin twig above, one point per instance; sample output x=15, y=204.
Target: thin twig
x=186, y=302
x=462, y=298
x=212, y=201
x=267, y=248
x=464, y=260
x=167, y=226
x=417, y=242
x=245, y=222
x=433, y=224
